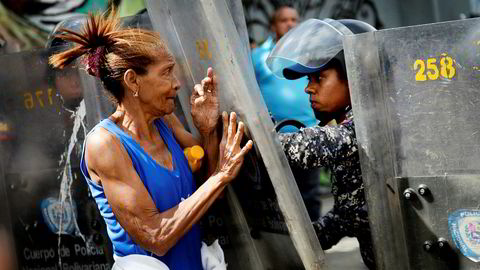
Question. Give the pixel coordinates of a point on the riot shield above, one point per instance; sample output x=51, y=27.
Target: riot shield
x=7, y=253
x=45, y=205
x=415, y=95
x=276, y=232
x=55, y=222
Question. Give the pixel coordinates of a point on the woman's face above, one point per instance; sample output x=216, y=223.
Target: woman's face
x=328, y=92
x=158, y=88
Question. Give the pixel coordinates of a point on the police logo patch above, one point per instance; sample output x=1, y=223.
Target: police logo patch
x=59, y=218
x=464, y=228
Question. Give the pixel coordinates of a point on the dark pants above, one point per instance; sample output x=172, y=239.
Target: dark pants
x=332, y=227
x=308, y=182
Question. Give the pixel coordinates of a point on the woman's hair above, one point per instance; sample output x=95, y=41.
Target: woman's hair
x=108, y=50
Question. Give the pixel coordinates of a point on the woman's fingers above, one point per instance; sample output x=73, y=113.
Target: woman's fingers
x=239, y=134
x=210, y=72
x=198, y=89
x=200, y=100
x=207, y=84
x=214, y=82
x=225, y=125
x=198, y=95
x=232, y=127
x=245, y=149
x=232, y=155
x=194, y=95
x=192, y=98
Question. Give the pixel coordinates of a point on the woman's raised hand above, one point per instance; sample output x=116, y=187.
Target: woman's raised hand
x=204, y=104
x=231, y=155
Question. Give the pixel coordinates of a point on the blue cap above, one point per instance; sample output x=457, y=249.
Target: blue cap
x=298, y=70
x=310, y=46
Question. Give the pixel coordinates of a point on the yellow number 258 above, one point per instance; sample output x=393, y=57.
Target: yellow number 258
x=447, y=69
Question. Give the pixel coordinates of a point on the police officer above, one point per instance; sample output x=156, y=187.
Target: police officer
x=285, y=99
x=315, y=50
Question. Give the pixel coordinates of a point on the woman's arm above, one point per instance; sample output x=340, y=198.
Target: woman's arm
x=183, y=137
x=208, y=141
x=131, y=203
x=319, y=146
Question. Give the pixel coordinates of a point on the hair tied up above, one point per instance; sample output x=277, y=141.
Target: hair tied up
x=108, y=50
x=94, y=60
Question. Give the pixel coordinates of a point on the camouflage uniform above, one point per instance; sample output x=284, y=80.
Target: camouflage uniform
x=335, y=147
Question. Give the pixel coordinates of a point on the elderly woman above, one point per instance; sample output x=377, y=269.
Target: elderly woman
x=133, y=161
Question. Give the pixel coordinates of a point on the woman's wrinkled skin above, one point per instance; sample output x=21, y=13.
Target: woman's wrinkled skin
x=148, y=97
x=205, y=103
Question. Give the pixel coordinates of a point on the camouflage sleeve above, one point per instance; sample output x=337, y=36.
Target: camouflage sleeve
x=329, y=229
x=319, y=146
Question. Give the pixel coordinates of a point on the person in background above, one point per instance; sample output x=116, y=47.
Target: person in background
x=315, y=50
x=253, y=43
x=285, y=99
x=133, y=161
x=282, y=97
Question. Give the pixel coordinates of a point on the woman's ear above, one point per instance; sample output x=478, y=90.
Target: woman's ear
x=130, y=78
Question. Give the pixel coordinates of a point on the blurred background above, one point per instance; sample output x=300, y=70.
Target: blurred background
x=25, y=24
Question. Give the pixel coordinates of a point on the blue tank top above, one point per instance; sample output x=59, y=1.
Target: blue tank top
x=285, y=99
x=167, y=189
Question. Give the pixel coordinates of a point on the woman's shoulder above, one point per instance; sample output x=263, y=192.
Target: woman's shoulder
x=99, y=139
x=101, y=136
x=101, y=148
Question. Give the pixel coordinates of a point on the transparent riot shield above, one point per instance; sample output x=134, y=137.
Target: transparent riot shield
x=415, y=95
x=54, y=222
x=7, y=252
x=46, y=210
x=275, y=230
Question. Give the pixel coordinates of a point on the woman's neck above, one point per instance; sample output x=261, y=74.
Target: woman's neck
x=132, y=118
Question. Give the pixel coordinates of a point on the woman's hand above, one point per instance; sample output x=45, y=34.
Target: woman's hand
x=204, y=104
x=231, y=156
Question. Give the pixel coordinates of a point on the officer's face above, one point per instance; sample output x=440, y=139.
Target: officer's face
x=328, y=92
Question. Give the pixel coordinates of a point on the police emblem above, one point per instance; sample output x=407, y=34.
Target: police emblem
x=464, y=228
x=60, y=218
x=472, y=231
